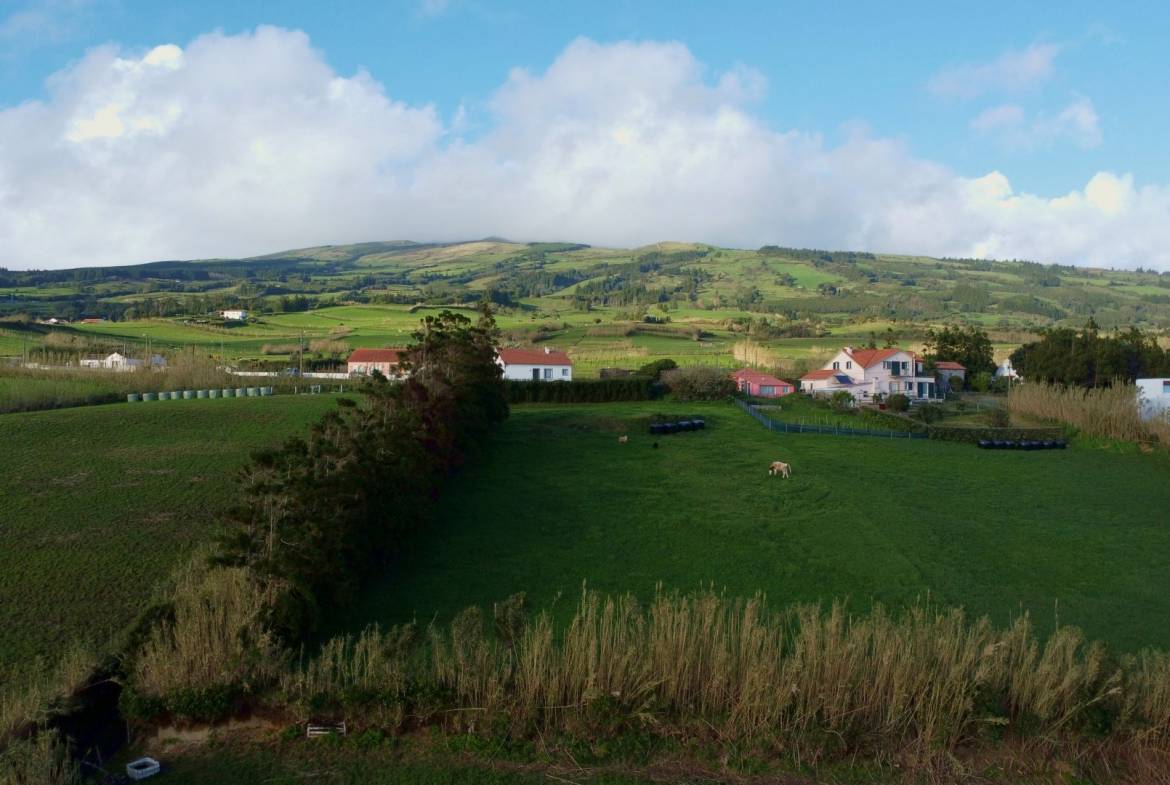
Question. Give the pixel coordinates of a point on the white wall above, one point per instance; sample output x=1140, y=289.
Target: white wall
x=523, y=373
x=1154, y=396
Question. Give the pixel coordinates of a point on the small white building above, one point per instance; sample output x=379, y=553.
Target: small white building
x=535, y=365
x=234, y=316
x=120, y=362
x=1005, y=371
x=1154, y=398
x=865, y=373
x=364, y=362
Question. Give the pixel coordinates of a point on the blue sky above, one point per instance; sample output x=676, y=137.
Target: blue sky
x=1050, y=97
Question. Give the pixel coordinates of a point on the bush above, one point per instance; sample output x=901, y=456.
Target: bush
x=927, y=413
x=841, y=402
x=654, y=370
x=954, y=383
x=629, y=388
x=898, y=403
x=698, y=383
x=997, y=418
x=980, y=382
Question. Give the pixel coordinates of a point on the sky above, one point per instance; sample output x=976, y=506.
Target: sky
x=135, y=131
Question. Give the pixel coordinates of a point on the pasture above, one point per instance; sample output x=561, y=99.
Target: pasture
x=98, y=504
x=556, y=502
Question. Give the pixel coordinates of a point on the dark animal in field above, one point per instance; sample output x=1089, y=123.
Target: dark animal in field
x=655, y=445
x=779, y=468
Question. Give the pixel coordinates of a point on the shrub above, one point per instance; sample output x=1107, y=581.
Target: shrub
x=927, y=413
x=627, y=388
x=698, y=383
x=980, y=382
x=898, y=403
x=654, y=369
x=841, y=402
x=997, y=417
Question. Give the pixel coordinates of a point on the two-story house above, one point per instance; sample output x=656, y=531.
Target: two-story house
x=864, y=373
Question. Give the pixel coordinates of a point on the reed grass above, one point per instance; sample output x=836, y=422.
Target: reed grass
x=216, y=637
x=809, y=680
x=1107, y=412
x=41, y=760
x=27, y=692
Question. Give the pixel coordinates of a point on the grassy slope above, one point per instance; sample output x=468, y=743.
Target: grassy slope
x=556, y=501
x=97, y=504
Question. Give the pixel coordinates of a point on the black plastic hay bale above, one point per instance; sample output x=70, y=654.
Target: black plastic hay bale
x=985, y=444
x=699, y=424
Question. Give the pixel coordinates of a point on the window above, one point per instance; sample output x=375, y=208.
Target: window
x=848, y=365
x=564, y=372
x=836, y=366
x=909, y=385
x=886, y=364
x=1166, y=388
x=767, y=391
x=547, y=373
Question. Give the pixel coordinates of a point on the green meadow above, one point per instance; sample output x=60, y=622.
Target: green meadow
x=556, y=502
x=99, y=503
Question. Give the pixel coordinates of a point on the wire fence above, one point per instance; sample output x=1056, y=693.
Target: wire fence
x=832, y=430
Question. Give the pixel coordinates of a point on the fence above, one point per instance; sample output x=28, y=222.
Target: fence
x=833, y=430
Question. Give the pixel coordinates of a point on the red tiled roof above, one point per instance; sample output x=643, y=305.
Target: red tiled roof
x=867, y=358
x=533, y=357
x=375, y=356
x=758, y=377
x=947, y=365
x=813, y=376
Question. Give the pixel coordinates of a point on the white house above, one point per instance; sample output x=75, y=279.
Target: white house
x=1006, y=371
x=543, y=365
x=119, y=362
x=364, y=362
x=235, y=315
x=1154, y=398
x=864, y=373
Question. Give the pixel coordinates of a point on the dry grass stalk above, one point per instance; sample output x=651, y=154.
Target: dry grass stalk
x=217, y=636
x=1108, y=412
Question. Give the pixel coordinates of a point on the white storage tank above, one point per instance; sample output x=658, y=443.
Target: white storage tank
x=1154, y=398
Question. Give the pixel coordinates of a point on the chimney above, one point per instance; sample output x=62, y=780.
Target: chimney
x=849, y=349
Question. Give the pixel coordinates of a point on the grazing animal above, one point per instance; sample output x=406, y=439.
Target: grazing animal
x=655, y=445
x=779, y=468
x=623, y=439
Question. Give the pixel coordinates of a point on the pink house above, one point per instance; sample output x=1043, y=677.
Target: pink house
x=761, y=384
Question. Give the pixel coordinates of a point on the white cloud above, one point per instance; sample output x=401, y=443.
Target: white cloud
x=41, y=21
x=433, y=7
x=1012, y=72
x=248, y=144
x=998, y=117
x=1077, y=122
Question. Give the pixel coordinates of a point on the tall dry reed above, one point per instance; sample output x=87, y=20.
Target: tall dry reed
x=26, y=691
x=1108, y=412
x=811, y=680
x=217, y=636
x=41, y=760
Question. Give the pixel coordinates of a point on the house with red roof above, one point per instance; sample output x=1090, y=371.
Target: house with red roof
x=866, y=373
x=948, y=371
x=535, y=365
x=364, y=362
x=761, y=384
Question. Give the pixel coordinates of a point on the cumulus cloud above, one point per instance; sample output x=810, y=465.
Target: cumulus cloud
x=1012, y=71
x=247, y=144
x=1077, y=122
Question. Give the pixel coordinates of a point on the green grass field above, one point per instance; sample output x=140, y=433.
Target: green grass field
x=99, y=503
x=556, y=502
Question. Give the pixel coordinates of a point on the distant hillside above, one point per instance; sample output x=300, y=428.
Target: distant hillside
x=829, y=287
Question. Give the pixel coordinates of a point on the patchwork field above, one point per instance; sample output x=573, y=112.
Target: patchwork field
x=556, y=502
x=99, y=503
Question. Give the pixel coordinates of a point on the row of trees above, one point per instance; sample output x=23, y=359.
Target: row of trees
x=317, y=513
x=1087, y=358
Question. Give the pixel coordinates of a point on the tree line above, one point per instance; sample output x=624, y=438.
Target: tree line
x=316, y=514
x=1087, y=358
